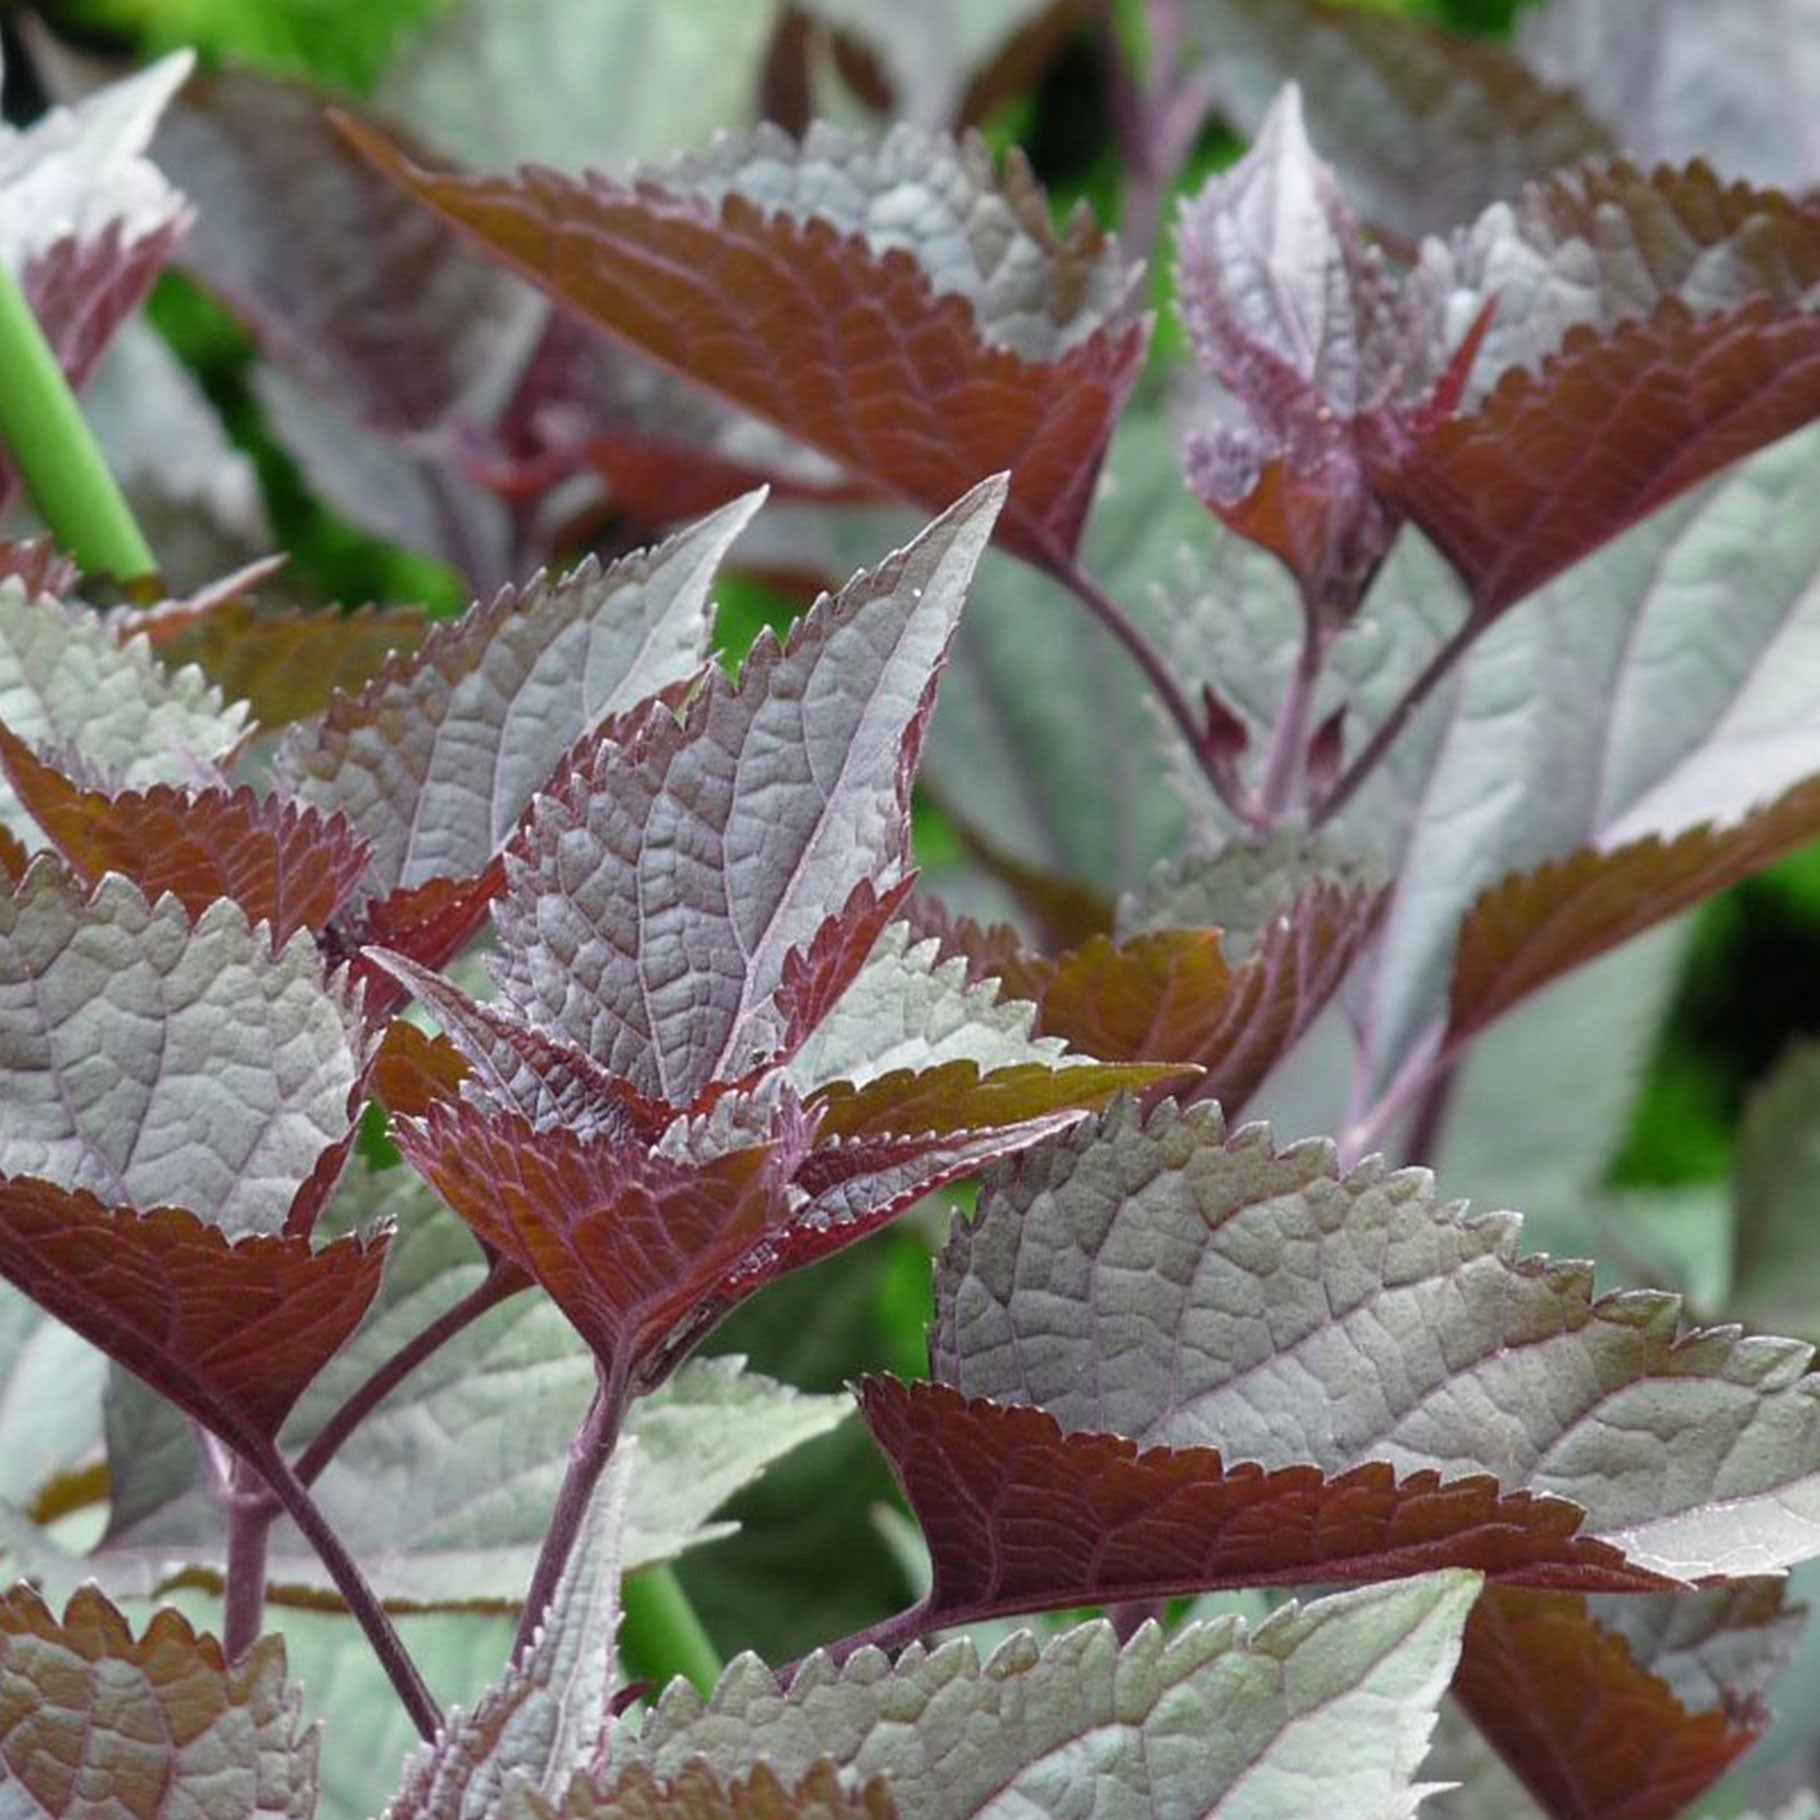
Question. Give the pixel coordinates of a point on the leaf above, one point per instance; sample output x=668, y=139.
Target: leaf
x=972, y=342
x=1555, y=464
x=230, y=1330
x=544, y=1719
x=154, y=1725
x=1588, y=1730
x=1538, y=925
x=153, y=1060
x=787, y=792
x=1306, y=333
x=1680, y=82
x=1324, y=1708
x=697, y=1794
x=1159, y=1280
x=1172, y=996
x=1020, y=1517
x=89, y=221
x=50, y=1396
x=65, y=681
x=1718, y=1648
x=413, y=1072
x=438, y=757
x=1425, y=125
x=285, y=666
x=287, y=868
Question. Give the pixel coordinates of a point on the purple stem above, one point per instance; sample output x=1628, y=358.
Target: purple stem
x=889, y=1634
x=351, y=1583
x=498, y=1285
x=1169, y=692
x=589, y=1453
x=1393, y=723
x=251, y=1511
x=1283, y=768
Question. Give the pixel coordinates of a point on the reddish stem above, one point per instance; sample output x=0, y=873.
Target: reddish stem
x=251, y=1511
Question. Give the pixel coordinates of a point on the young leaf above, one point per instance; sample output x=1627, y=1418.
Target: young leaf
x=1324, y=1708
x=545, y=1719
x=1538, y=925
x=970, y=342
x=286, y=867
x=1588, y=1728
x=1427, y=126
x=1159, y=1280
x=160, y=1724
x=697, y=1793
x=657, y=893
x=438, y=757
x=66, y=682
x=1020, y=1517
x=155, y=1060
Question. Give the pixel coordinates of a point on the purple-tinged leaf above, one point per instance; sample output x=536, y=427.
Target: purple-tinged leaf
x=438, y=757
x=951, y=333
x=38, y=566
x=696, y=1793
x=231, y=1331
x=155, y=1060
x=1020, y=1517
x=1592, y=1733
x=1160, y=1280
x=1332, y=1702
x=286, y=867
x=547, y=1716
x=98, y=1720
x=1426, y=126
x=656, y=894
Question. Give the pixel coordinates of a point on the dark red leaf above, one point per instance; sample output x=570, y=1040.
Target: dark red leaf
x=284, y=865
x=1591, y=1735
x=413, y=1072
x=1022, y=1517
x=230, y=1332
x=815, y=977
x=659, y=482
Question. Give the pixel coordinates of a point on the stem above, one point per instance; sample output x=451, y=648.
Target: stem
x=1289, y=737
x=589, y=1453
x=1114, y=618
x=250, y=1514
x=351, y=1583
x=660, y=1634
x=56, y=451
x=1425, y=1133
x=495, y=1287
x=889, y=1634
x=1393, y=723
x=1428, y=1068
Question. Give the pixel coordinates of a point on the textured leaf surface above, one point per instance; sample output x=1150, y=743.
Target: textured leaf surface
x=288, y=868
x=657, y=892
x=1020, y=1517
x=948, y=333
x=435, y=761
x=1538, y=925
x=1166, y=1283
x=546, y=1716
x=161, y=1725
x=697, y=1794
x=65, y=681
x=1426, y=126
x=155, y=1060
x=1589, y=1730
x=1329, y=1704
x=231, y=1332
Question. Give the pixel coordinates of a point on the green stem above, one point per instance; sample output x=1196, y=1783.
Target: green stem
x=660, y=1635
x=48, y=438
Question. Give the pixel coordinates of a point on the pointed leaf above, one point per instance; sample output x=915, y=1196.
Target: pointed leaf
x=161, y=1724
x=230, y=1331
x=638, y=1251
x=1719, y=1648
x=413, y=1072
x=658, y=891
x=66, y=682
x=953, y=334
x=1538, y=925
x=1325, y=1708
x=546, y=1716
x=436, y=759
x=1020, y=1517
x=1426, y=126
x=1588, y=1730
x=1162, y=1281
x=153, y=1060
x=286, y=867
x=696, y=1793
